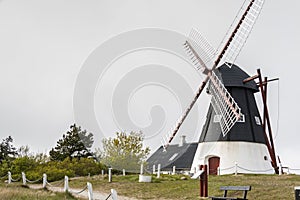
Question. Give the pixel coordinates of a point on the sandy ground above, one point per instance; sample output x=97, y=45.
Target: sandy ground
x=96, y=194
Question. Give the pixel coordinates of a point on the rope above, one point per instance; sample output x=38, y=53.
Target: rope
x=294, y=169
x=227, y=168
x=29, y=181
x=56, y=185
x=16, y=180
x=3, y=176
x=255, y=170
x=108, y=196
x=85, y=188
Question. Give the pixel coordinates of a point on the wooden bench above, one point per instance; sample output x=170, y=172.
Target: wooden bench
x=245, y=190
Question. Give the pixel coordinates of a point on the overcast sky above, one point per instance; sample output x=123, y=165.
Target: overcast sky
x=44, y=45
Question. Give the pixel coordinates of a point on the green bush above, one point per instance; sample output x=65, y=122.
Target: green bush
x=55, y=170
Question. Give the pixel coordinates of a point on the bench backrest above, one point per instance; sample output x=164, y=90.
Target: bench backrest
x=241, y=188
x=236, y=188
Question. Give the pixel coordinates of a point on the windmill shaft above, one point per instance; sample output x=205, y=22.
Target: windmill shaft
x=232, y=36
x=202, y=86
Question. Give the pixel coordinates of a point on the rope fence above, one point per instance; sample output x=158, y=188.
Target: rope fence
x=235, y=169
x=2, y=177
x=59, y=183
x=64, y=182
x=81, y=191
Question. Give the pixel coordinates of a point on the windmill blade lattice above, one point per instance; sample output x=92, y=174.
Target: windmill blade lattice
x=223, y=104
x=244, y=29
x=200, y=51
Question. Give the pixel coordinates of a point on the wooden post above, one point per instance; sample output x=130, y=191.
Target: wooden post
x=109, y=175
x=280, y=169
x=174, y=170
x=9, y=178
x=66, y=186
x=203, y=181
x=270, y=145
x=124, y=173
x=142, y=169
x=102, y=172
x=24, y=178
x=44, y=180
x=114, y=194
x=90, y=191
x=153, y=169
x=158, y=171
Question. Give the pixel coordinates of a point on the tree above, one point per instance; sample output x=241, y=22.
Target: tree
x=125, y=151
x=7, y=150
x=75, y=143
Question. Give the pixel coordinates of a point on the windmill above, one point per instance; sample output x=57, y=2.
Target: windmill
x=223, y=108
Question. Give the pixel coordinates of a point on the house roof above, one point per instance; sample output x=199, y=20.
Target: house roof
x=175, y=155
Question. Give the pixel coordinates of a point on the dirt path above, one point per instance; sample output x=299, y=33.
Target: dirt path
x=75, y=192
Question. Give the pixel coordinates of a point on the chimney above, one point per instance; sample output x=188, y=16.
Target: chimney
x=182, y=141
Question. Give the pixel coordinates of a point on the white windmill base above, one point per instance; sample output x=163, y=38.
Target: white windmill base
x=235, y=157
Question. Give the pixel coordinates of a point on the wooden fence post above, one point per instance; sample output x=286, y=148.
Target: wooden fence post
x=90, y=191
x=66, y=185
x=203, y=181
x=9, y=178
x=24, y=178
x=142, y=169
x=109, y=175
x=174, y=170
x=158, y=171
x=44, y=180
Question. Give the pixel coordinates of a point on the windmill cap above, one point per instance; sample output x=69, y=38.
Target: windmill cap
x=233, y=77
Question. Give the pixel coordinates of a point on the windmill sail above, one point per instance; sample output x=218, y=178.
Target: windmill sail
x=202, y=55
x=223, y=104
x=249, y=15
x=200, y=51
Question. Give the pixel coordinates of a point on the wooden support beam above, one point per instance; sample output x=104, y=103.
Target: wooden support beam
x=270, y=145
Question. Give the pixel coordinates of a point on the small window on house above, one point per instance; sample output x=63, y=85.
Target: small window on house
x=242, y=119
x=217, y=118
x=265, y=158
x=174, y=156
x=257, y=120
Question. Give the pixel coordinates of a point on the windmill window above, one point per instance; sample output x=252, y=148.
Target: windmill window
x=257, y=120
x=217, y=118
x=242, y=119
x=174, y=156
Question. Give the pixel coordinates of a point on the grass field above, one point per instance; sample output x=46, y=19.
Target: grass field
x=17, y=192
x=167, y=187
x=172, y=187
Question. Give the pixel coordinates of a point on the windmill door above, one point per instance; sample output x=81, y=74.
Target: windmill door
x=213, y=164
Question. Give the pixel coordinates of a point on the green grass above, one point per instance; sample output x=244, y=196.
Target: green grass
x=16, y=191
x=167, y=187
x=172, y=187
